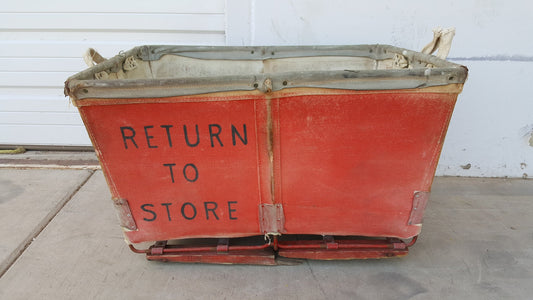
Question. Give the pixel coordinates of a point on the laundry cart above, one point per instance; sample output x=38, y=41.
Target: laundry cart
x=252, y=154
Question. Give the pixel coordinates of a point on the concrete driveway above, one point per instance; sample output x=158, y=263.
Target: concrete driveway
x=60, y=239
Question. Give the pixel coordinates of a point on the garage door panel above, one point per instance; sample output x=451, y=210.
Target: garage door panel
x=163, y=6
x=47, y=135
x=42, y=43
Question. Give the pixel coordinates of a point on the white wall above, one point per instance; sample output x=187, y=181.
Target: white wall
x=491, y=131
x=492, y=126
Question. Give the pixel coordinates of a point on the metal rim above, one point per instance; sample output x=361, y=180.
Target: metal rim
x=82, y=85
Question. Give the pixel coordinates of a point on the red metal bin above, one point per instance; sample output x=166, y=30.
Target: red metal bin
x=288, y=143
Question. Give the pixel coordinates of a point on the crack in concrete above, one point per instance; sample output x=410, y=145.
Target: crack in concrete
x=17, y=253
x=315, y=278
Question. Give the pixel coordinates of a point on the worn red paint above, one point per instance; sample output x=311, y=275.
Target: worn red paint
x=337, y=162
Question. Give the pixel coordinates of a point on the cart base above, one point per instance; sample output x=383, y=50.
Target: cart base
x=289, y=251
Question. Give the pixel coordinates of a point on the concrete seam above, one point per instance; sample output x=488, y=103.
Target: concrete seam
x=57, y=167
x=316, y=279
x=17, y=253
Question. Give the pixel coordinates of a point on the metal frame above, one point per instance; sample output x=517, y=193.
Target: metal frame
x=423, y=71
x=275, y=252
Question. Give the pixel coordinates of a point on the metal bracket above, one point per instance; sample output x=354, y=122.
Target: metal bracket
x=223, y=245
x=271, y=218
x=330, y=242
x=420, y=200
x=124, y=214
x=397, y=243
x=158, y=248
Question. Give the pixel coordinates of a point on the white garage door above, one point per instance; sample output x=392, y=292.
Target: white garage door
x=41, y=44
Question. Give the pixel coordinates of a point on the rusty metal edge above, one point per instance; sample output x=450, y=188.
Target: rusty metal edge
x=420, y=200
x=124, y=214
x=271, y=218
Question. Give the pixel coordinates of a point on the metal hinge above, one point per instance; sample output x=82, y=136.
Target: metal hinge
x=124, y=214
x=271, y=218
x=420, y=200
